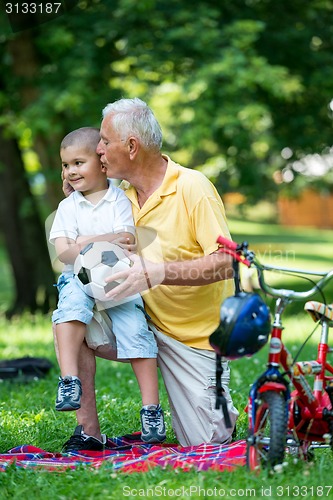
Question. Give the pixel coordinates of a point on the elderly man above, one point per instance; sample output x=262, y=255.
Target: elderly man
x=182, y=277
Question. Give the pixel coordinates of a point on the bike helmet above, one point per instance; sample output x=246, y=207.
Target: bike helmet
x=244, y=326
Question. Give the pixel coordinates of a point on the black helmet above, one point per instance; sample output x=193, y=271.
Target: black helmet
x=244, y=327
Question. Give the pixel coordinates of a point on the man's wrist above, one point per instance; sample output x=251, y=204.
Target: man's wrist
x=170, y=273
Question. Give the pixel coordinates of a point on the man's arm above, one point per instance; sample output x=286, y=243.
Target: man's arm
x=146, y=274
x=203, y=271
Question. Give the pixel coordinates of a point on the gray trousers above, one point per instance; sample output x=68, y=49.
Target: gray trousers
x=189, y=378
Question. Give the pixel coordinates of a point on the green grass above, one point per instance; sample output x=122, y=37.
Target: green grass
x=27, y=415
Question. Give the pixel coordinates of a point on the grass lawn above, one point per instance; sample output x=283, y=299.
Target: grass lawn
x=27, y=413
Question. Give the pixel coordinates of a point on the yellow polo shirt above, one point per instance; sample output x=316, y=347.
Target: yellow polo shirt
x=180, y=221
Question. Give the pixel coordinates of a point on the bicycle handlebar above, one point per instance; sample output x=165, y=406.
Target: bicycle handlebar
x=227, y=243
x=237, y=251
x=241, y=253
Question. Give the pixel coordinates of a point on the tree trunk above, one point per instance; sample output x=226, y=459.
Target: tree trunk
x=25, y=67
x=24, y=234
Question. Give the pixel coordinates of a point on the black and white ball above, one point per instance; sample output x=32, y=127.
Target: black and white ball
x=97, y=261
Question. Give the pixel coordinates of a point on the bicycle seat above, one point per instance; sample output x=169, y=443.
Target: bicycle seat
x=319, y=311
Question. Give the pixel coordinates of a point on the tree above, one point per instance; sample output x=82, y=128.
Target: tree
x=231, y=84
x=24, y=236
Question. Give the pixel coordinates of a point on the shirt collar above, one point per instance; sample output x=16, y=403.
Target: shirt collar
x=168, y=186
x=109, y=196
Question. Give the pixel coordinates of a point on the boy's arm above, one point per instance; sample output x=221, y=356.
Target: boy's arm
x=67, y=249
x=124, y=240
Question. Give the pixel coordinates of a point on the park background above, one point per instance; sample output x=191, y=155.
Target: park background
x=243, y=91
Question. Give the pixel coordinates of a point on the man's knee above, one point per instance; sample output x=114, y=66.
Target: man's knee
x=106, y=352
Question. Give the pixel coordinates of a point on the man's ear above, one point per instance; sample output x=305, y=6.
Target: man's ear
x=133, y=146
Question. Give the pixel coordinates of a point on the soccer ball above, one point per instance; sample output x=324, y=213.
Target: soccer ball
x=97, y=261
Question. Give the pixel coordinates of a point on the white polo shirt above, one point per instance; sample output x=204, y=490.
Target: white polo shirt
x=76, y=216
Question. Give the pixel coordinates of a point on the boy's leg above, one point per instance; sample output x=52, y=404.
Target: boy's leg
x=145, y=370
x=137, y=343
x=74, y=310
x=70, y=336
x=151, y=414
x=68, y=339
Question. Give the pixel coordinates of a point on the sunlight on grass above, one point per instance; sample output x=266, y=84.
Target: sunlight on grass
x=30, y=335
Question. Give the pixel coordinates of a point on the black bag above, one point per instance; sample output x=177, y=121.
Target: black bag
x=24, y=368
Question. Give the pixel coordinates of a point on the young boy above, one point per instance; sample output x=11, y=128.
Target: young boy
x=98, y=211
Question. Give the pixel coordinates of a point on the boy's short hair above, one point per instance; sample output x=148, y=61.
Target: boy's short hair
x=85, y=137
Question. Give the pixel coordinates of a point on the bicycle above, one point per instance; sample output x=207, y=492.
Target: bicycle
x=279, y=419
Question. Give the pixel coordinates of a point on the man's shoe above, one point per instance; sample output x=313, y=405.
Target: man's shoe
x=69, y=394
x=80, y=441
x=152, y=424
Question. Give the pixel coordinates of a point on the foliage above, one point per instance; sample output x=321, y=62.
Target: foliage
x=313, y=170
x=232, y=84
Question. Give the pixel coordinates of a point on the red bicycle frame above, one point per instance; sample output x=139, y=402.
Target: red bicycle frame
x=308, y=411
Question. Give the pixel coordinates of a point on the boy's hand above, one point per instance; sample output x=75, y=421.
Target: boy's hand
x=66, y=187
x=126, y=244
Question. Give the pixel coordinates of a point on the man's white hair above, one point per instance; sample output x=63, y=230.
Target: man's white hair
x=134, y=117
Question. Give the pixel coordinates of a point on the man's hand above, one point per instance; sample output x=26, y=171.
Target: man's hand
x=142, y=275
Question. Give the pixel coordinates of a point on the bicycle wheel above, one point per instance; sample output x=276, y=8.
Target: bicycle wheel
x=266, y=443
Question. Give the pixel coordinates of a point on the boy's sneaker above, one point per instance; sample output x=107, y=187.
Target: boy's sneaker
x=69, y=394
x=80, y=441
x=152, y=424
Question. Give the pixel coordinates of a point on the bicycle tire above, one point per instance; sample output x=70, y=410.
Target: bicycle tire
x=266, y=443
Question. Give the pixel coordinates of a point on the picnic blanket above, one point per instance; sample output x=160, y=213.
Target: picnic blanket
x=129, y=454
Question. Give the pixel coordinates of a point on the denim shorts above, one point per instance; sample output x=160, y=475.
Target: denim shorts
x=129, y=325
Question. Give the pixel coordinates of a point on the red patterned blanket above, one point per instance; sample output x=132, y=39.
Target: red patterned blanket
x=129, y=454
